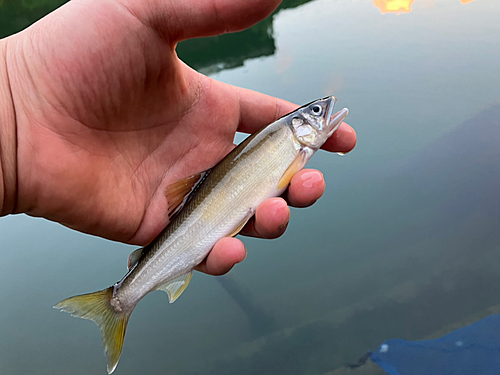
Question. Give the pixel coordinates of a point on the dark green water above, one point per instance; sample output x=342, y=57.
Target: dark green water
x=405, y=243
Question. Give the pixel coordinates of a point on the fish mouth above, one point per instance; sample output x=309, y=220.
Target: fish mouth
x=333, y=120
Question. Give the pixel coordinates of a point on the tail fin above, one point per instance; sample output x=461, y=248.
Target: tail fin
x=96, y=307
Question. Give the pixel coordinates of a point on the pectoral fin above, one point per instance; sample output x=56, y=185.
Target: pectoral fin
x=296, y=166
x=179, y=192
x=134, y=257
x=175, y=287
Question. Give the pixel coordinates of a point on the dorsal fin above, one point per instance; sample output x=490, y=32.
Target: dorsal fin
x=134, y=257
x=179, y=192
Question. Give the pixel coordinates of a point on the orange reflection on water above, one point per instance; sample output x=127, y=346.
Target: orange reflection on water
x=401, y=6
x=394, y=6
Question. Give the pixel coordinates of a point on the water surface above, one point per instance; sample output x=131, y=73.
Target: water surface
x=405, y=243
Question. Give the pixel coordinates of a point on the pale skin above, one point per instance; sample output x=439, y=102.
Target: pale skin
x=98, y=115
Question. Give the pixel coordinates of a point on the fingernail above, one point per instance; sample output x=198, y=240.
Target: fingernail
x=277, y=202
x=311, y=179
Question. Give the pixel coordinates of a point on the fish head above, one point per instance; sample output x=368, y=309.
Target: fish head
x=315, y=122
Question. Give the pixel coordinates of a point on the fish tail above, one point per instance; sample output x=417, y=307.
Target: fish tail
x=97, y=307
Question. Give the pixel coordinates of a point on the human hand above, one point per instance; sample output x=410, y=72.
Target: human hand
x=107, y=116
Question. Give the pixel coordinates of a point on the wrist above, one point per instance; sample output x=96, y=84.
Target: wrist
x=8, y=138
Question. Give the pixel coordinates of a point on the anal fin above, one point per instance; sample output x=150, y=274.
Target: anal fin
x=175, y=287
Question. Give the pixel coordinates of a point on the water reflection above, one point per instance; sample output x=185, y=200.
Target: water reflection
x=210, y=55
x=400, y=6
x=260, y=322
x=394, y=6
x=17, y=15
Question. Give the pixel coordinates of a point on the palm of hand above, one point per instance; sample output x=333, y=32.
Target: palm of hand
x=126, y=118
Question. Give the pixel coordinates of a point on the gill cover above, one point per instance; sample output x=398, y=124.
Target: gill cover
x=315, y=122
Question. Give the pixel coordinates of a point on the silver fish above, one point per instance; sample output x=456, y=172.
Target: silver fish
x=205, y=208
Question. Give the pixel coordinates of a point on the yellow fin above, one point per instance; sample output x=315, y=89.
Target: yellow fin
x=296, y=166
x=240, y=226
x=96, y=307
x=134, y=257
x=175, y=287
x=178, y=192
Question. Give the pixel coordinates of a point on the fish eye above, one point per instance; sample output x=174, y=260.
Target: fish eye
x=316, y=109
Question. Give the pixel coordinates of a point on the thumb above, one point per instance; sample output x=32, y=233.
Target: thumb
x=178, y=20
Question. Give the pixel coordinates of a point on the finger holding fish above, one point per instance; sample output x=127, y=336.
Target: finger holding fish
x=306, y=187
x=226, y=253
x=270, y=219
x=343, y=140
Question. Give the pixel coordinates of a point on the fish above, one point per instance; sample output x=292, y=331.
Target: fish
x=204, y=208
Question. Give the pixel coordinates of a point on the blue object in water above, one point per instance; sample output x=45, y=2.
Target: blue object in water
x=471, y=350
